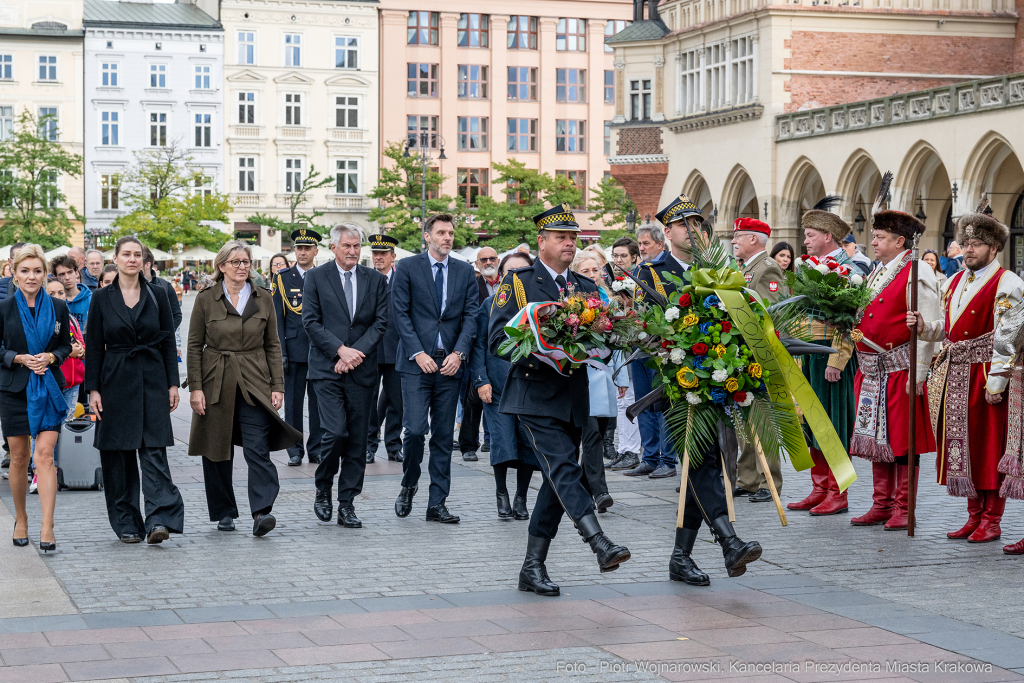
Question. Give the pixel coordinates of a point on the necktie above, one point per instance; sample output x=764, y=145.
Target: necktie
x=560, y=281
x=348, y=293
x=439, y=286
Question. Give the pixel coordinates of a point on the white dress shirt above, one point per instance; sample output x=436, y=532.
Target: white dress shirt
x=444, y=292
x=355, y=287
x=684, y=264
x=554, y=275
x=243, y=296
x=303, y=272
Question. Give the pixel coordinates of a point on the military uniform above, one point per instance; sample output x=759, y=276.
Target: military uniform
x=287, y=293
x=389, y=400
x=552, y=409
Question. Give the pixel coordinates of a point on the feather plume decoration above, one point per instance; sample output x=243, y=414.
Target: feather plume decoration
x=882, y=198
x=827, y=203
x=982, y=203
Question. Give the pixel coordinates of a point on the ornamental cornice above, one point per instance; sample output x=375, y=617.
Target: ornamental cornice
x=747, y=112
x=628, y=159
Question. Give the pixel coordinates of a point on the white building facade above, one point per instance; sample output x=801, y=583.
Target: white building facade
x=301, y=86
x=153, y=78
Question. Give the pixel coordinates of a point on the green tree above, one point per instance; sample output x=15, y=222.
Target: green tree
x=163, y=208
x=611, y=205
x=312, y=181
x=31, y=162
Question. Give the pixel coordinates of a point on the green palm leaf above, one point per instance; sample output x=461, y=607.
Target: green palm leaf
x=693, y=428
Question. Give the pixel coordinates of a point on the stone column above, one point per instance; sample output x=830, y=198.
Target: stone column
x=620, y=90
x=658, y=106
x=755, y=96
x=497, y=89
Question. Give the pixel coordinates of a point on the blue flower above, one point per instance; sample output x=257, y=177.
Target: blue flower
x=718, y=395
x=704, y=327
x=711, y=301
x=698, y=362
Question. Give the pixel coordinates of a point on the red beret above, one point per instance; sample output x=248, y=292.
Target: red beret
x=751, y=225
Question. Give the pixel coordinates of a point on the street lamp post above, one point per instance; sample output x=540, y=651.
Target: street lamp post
x=422, y=143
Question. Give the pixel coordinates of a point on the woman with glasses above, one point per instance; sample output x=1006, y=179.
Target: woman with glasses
x=236, y=385
x=131, y=374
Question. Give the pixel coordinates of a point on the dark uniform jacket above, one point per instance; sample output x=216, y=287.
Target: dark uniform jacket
x=387, y=351
x=652, y=273
x=287, y=288
x=535, y=388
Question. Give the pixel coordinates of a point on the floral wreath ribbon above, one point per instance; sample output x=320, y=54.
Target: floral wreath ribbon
x=785, y=380
x=552, y=355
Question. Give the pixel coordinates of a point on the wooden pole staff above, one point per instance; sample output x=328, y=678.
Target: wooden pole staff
x=729, y=505
x=912, y=388
x=771, y=481
x=682, y=489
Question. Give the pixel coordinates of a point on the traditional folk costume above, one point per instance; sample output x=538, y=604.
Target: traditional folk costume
x=881, y=429
x=836, y=397
x=971, y=432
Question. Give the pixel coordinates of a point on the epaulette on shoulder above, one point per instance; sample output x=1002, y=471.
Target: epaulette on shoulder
x=521, y=270
x=584, y=278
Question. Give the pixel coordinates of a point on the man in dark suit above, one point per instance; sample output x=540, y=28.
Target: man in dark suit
x=435, y=301
x=389, y=401
x=472, y=408
x=553, y=408
x=345, y=313
x=287, y=289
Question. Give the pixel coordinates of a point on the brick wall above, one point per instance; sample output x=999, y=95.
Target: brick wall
x=877, y=53
x=641, y=140
x=1018, y=53
x=643, y=183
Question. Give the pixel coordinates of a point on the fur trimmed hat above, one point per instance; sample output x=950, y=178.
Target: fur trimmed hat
x=896, y=222
x=821, y=219
x=980, y=225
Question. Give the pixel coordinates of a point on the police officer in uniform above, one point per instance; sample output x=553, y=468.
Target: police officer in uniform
x=763, y=275
x=287, y=289
x=552, y=408
x=705, y=489
x=389, y=401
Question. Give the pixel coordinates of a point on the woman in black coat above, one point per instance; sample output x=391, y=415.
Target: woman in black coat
x=131, y=372
x=34, y=330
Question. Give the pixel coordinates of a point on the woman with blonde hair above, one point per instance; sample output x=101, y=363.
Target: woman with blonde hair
x=35, y=331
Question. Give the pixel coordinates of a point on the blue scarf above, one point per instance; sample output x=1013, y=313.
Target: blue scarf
x=46, y=405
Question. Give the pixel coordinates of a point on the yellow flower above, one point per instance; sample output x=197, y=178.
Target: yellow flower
x=720, y=350
x=731, y=385
x=690, y=320
x=687, y=378
x=755, y=370
x=587, y=316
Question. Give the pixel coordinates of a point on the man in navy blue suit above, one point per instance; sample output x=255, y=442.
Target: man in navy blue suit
x=434, y=301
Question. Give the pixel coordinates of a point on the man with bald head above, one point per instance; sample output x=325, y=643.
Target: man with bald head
x=487, y=279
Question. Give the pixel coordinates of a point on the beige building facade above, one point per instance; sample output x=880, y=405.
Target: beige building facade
x=528, y=80
x=41, y=64
x=761, y=110
x=301, y=92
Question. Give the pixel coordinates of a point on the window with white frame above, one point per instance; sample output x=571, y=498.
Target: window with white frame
x=715, y=72
x=346, y=111
x=246, y=174
x=108, y=74
x=157, y=129
x=292, y=49
x=246, y=47
x=689, y=82
x=6, y=122
x=292, y=175
x=109, y=125
x=346, y=52
x=47, y=67
x=639, y=99
x=157, y=75
x=607, y=138
x=49, y=187
x=293, y=109
x=6, y=67
x=202, y=74
x=202, y=186
x=717, y=76
x=246, y=107
x=48, y=129
x=741, y=70
x=203, y=129
x=347, y=176
x=110, y=186
x=611, y=28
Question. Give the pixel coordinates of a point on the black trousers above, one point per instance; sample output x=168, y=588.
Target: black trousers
x=472, y=412
x=254, y=425
x=429, y=401
x=705, y=490
x=592, y=454
x=296, y=388
x=121, y=489
x=345, y=409
x=565, y=489
x=389, y=412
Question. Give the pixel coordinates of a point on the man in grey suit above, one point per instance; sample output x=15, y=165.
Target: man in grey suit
x=434, y=303
x=343, y=366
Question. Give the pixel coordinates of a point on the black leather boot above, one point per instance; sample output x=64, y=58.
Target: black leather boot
x=504, y=506
x=519, y=510
x=609, y=440
x=681, y=567
x=737, y=553
x=533, y=577
x=609, y=555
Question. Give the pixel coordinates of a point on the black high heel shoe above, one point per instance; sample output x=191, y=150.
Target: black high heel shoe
x=20, y=542
x=47, y=547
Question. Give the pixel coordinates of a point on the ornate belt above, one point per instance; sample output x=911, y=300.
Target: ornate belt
x=871, y=426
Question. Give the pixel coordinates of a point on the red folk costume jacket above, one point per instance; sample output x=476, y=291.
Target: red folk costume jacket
x=881, y=427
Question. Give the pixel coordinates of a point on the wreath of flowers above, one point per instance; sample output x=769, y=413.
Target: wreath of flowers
x=833, y=292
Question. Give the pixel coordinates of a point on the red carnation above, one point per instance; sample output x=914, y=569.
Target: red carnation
x=832, y=265
x=813, y=259
x=777, y=335
x=700, y=348
x=739, y=396
x=726, y=325
x=665, y=344
x=685, y=300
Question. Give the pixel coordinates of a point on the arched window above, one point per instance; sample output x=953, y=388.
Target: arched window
x=1017, y=236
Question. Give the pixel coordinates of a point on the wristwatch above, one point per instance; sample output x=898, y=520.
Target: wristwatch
x=461, y=355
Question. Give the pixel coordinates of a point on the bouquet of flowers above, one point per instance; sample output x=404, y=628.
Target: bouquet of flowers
x=833, y=292
x=577, y=329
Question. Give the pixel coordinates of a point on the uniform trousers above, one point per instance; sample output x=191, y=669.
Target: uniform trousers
x=651, y=423
x=296, y=388
x=345, y=409
x=121, y=489
x=388, y=413
x=592, y=454
x=435, y=395
x=565, y=489
x=253, y=424
x=472, y=412
x=750, y=476
x=705, y=490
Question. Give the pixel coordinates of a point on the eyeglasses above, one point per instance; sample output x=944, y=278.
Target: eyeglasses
x=490, y=259
x=237, y=263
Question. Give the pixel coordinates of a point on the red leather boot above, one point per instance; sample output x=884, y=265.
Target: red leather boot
x=991, y=515
x=973, y=518
x=900, y=516
x=1015, y=549
x=835, y=502
x=883, y=478
x=819, y=479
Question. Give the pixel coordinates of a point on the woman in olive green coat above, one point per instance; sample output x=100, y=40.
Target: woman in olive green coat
x=236, y=385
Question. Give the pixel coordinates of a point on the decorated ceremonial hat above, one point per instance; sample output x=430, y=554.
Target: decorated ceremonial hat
x=821, y=219
x=306, y=237
x=751, y=225
x=382, y=242
x=979, y=225
x=677, y=210
x=895, y=222
x=557, y=218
